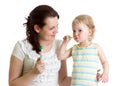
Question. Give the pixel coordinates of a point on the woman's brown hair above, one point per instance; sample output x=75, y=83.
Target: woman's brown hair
x=37, y=17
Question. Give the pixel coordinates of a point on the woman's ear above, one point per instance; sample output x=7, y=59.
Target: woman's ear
x=36, y=28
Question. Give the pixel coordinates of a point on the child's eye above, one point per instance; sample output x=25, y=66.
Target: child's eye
x=80, y=30
x=74, y=31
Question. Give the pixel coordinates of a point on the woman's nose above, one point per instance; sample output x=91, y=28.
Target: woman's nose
x=56, y=30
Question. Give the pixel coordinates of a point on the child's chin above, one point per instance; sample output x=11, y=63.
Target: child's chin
x=77, y=41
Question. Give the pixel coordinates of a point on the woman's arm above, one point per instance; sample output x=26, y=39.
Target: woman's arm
x=15, y=72
x=64, y=80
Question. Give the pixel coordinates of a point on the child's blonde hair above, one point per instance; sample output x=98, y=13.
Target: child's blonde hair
x=86, y=19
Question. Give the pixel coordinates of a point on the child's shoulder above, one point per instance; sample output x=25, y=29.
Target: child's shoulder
x=75, y=45
x=95, y=45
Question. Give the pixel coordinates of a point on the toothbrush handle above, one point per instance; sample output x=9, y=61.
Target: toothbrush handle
x=40, y=57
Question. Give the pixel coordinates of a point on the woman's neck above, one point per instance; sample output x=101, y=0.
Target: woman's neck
x=47, y=45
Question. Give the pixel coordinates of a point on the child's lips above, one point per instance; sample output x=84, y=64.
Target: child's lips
x=76, y=39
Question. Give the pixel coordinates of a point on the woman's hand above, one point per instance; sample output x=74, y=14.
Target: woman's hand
x=39, y=67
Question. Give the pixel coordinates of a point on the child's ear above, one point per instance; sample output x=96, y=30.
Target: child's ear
x=90, y=32
x=36, y=28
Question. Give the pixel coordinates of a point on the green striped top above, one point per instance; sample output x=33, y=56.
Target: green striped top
x=85, y=65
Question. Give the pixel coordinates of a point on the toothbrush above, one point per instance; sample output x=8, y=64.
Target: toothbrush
x=41, y=48
x=70, y=37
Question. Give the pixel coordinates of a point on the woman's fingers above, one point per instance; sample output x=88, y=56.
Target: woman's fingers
x=39, y=66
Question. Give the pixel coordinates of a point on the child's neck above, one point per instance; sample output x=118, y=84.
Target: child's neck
x=84, y=44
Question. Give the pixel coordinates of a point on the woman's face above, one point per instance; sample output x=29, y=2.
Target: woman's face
x=48, y=32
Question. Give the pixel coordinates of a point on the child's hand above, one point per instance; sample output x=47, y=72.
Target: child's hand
x=98, y=75
x=104, y=78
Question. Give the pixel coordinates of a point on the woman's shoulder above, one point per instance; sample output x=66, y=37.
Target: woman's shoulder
x=26, y=47
x=57, y=42
x=23, y=41
x=23, y=44
x=19, y=49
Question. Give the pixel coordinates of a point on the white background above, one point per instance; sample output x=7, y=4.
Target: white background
x=105, y=14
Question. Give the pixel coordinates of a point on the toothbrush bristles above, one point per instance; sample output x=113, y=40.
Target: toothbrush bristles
x=70, y=37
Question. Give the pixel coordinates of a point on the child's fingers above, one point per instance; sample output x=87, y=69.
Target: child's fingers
x=98, y=77
x=98, y=70
x=104, y=79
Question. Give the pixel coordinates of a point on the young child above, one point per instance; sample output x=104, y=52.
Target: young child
x=85, y=54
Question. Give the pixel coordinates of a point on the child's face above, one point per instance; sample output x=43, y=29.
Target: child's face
x=81, y=32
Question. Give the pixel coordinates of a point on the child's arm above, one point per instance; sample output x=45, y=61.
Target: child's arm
x=104, y=76
x=62, y=53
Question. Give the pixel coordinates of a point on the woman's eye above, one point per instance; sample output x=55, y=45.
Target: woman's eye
x=51, y=28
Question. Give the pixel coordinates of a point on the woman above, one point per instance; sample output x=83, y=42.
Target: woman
x=26, y=67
